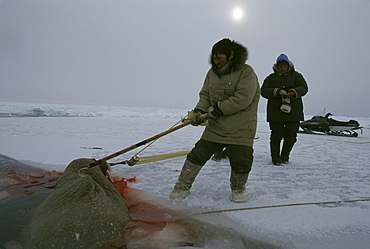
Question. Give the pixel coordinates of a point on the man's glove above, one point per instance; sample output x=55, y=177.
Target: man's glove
x=214, y=111
x=290, y=95
x=197, y=117
x=280, y=91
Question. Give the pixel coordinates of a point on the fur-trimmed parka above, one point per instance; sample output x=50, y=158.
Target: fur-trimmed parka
x=291, y=81
x=236, y=89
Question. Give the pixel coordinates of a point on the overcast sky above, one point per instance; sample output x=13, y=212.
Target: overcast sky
x=154, y=53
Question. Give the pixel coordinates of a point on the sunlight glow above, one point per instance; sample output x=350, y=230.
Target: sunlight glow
x=237, y=13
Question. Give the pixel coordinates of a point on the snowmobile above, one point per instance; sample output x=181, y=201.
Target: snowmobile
x=329, y=126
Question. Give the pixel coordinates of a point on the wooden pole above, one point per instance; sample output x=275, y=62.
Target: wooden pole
x=155, y=137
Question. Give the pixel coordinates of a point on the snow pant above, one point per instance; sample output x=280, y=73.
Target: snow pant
x=279, y=131
x=240, y=156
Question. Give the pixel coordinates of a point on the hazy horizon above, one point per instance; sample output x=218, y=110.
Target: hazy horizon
x=155, y=53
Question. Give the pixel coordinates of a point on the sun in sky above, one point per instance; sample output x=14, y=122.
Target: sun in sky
x=237, y=14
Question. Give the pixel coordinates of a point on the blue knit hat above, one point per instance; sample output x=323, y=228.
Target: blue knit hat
x=282, y=57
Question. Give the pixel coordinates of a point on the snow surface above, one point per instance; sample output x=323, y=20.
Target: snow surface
x=322, y=169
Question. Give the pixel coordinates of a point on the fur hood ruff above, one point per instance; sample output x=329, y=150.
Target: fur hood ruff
x=240, y=57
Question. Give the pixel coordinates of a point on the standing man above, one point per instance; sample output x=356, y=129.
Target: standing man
x=229, y=98
x=284, y=89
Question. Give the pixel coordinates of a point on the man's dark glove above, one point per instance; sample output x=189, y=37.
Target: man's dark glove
x=197, y=117
x=214, y=111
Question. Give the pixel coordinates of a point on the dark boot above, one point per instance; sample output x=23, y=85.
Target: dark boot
x=225, y=154
x=285, y=152
x=217, y=156
x=187, y=176
x=237, y=184
x=275, y=152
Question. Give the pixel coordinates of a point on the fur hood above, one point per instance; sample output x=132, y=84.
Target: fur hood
x=283, y=57
x=240, y=57
x=290, y=69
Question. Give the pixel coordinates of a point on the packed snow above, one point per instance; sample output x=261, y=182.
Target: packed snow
x=319, y=200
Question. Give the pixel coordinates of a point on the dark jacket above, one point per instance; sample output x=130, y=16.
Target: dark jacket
x=236, y=90
x=290, y=81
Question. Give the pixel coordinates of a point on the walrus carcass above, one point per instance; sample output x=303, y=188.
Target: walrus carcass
x=84, y=210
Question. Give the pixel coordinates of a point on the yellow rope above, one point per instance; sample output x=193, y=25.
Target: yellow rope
x=149, y=159
x=276, y=206
x=157, y=139
x=136, y=160
x=322, y=137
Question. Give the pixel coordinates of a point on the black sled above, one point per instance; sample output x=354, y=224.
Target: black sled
x=330, y=126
